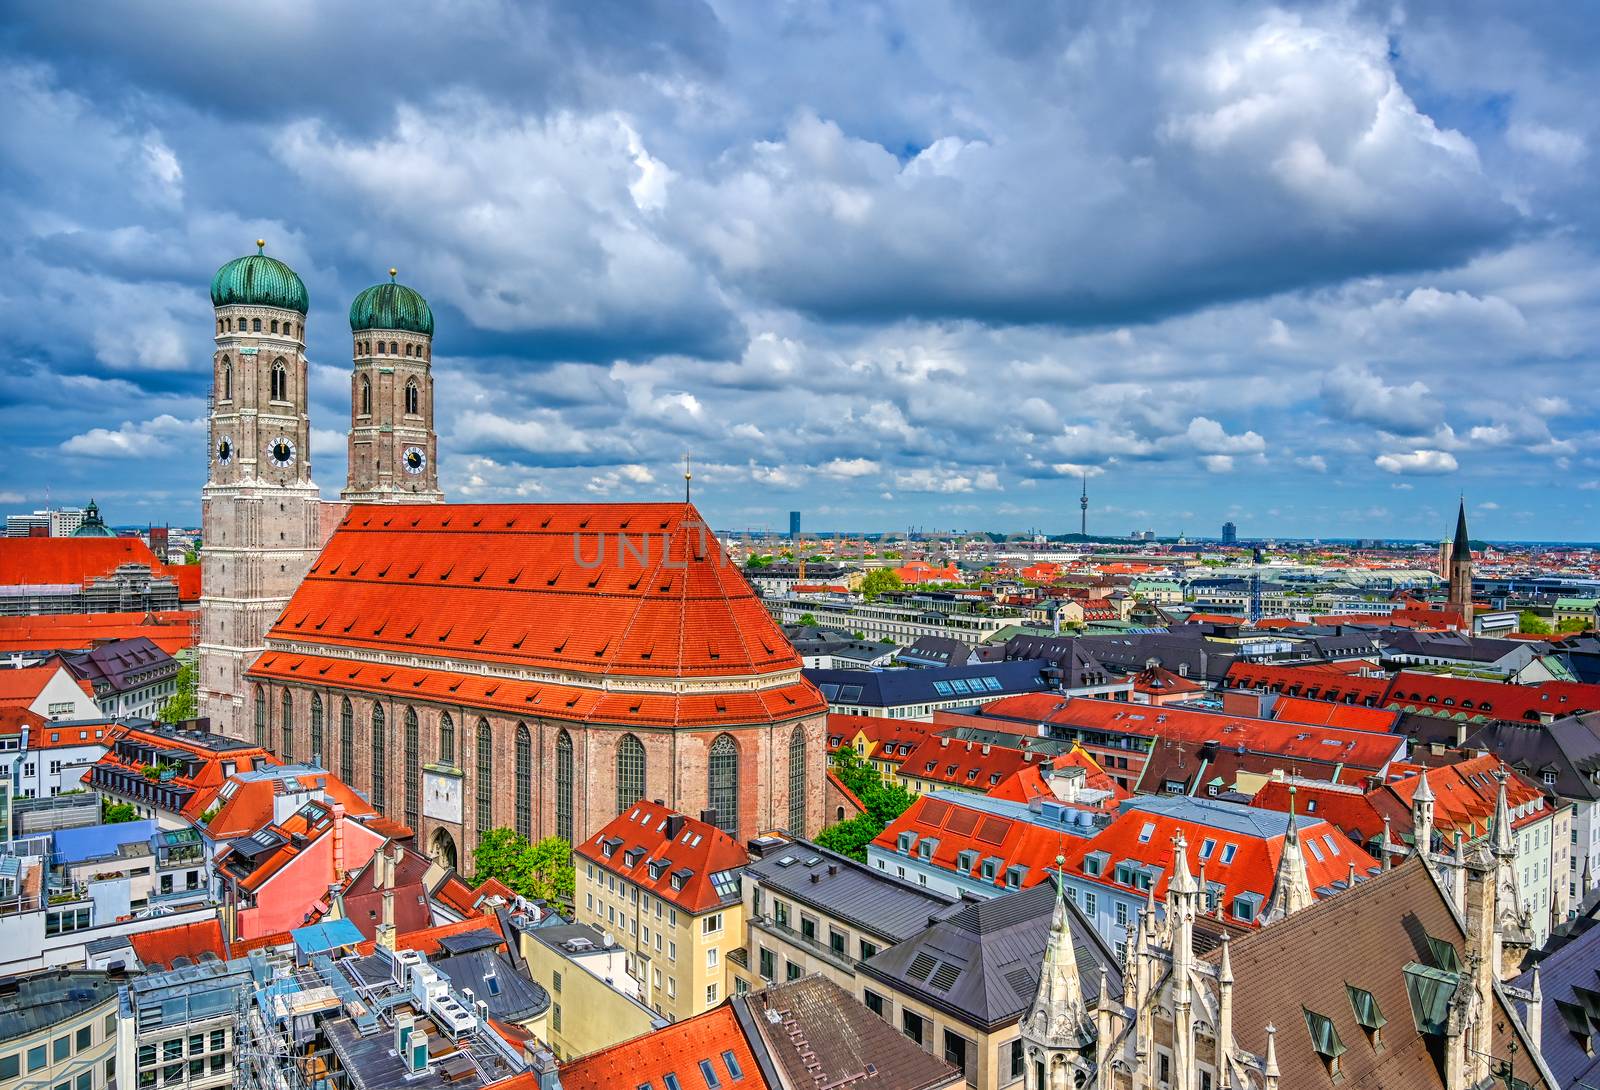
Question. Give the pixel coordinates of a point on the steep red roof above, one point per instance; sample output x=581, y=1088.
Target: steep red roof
x=188, y=940
x=1146, y=836
x=248, y=805
x=1028, y=783
x=1475, y=700
x=22, y=687
x=170, y=630
x=1465, y=794
x=676, y=1049
x=894, y=738
x=689, y=858
x=425, y=940
x=1310, y=681
x=207, y=779
x=632, y=589
x=36, y=561
x=1347, y=807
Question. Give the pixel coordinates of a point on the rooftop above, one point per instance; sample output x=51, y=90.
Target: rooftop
x=31, y=1003
x=854, y=892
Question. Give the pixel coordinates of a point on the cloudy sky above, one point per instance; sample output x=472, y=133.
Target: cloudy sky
x=1315, y=268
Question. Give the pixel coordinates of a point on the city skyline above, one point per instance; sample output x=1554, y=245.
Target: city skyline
x=1266, y=267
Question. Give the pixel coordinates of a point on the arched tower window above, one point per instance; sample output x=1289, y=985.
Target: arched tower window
x=413, y=769
x=366, y=396
x=227, y=379
x=412, y=398
x=261, y=720
x=564, y=786
x=280, y=381
x=630, y=772
x=287, y=727
x=797, y=782
x=347, y=742
x=379, y=743
x=524, y=782
x=722, y=783
x=255, y=325
x=485, y=784
x=447, y=739
x=274, y=325
x=317, y=754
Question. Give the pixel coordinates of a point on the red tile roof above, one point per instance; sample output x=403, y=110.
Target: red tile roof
x=676, y=1049
x=22, y=687
x=1254, y=864
x=1028, y=783
x=249, y=805
x=1465, y=794
x=1342, y=805
x=50, y=735
x=956, y=829
x=580, y=588
x=425, y=940
x=170, y=630
x=974, y=766
x=208, y=778
x=1325, y=713
x=1359, y=750
x=648, y=836
x=894, y=738
x=1312, y=681
x=1442, y=695
x=189, y=940
x=36, y=561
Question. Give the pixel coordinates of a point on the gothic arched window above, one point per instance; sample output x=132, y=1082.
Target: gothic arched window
x=630, y=772
x=280, y=381
x=287, y=726
x=379, y=743
x=413, y=769
x=317, y=755
x=261, y=719
x=347, y=742
x=797, y=782
x=564, y=786
x=485, y=777
x=722, y=783
x=447, y=739
x=366, y=396
x=227, y=379
x=524, y=782
x=412, y=399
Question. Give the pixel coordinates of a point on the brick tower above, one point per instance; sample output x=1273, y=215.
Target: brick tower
x=392, y=443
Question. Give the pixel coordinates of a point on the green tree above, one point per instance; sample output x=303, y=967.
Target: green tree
x=850, y=837
x=184, y=703
x=879, y=581
x=807, y=620
x=113, y=813
x=191, y=556
x=1529, y=621
x=542, y=871
x=1572, y=624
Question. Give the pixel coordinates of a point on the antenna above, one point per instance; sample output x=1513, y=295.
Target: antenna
x=1083, y=507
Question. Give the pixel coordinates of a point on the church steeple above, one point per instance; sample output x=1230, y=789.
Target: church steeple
x=1460, y=570
x=1291, y=888
x=1059, y=1031
x=393, y=447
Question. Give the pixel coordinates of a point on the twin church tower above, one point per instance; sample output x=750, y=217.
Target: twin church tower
x=263, y=519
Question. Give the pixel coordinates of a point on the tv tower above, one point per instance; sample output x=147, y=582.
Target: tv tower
x=1083, y=508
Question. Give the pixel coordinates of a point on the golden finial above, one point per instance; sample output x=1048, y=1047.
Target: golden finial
x=393, y=272
x=261, y=245
x=687, y=476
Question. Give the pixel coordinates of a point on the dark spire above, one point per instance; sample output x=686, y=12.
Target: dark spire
x=1462, y=549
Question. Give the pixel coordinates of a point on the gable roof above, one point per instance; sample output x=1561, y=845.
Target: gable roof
x=871, y=899
x=682, y=860
x=981, y=964
x=819, y=1035
x=678, y=1049
x=934, y=684
x=159, y=949
x=170, y=630
x=67, y=561
x=1389, y=920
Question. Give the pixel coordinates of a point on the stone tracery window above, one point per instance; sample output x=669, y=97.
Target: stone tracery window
x=280, y=381
x=485, y=778
x=317, y=754
x=564, y=786
x=366, y=396
x=412, y=397
x=797, y=781
x=287, y=726
x=524, y=782
x=447, y=739
x=630, y=772
x=413, y=769
x=347, y=742
x=380, y=742
x=722, y=783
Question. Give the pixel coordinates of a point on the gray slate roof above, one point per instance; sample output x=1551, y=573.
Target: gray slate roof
x=981, y=964
x=1568, y=965
x=511, y=996
x=1568, y=747
x=870, y=899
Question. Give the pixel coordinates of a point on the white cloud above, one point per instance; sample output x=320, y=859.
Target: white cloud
x=1355, y=393
x=163, y=435
x=1417, y=462
x=849, y=467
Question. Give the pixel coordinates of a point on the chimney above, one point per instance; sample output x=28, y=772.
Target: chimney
x=544, y=1069
x=675, y=825
x=708, y=817
x=338, y=840
x=388, y=915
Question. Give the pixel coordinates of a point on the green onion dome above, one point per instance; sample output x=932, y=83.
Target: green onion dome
x=259, y=280
x=391, y=306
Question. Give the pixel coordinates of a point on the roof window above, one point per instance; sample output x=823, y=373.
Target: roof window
x=1325, y=1039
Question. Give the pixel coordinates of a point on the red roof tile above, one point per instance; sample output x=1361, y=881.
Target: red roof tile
x=36, y=561
x=676, y=1049
x=189, y=940
x=954, y=829
x=171, y=630
x=1028, y=783
x=22, y=687
x=974, y=766
x=208, y=778
x=1326, y=713
x=648, y=836
x=632, y=589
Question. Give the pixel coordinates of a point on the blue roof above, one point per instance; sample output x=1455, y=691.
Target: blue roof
x=100, y=841
x=328, y=935
x=981, y=683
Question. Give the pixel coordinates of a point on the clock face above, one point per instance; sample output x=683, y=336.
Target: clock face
x=224, y=450
x=415, y=459
x=280, y=452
